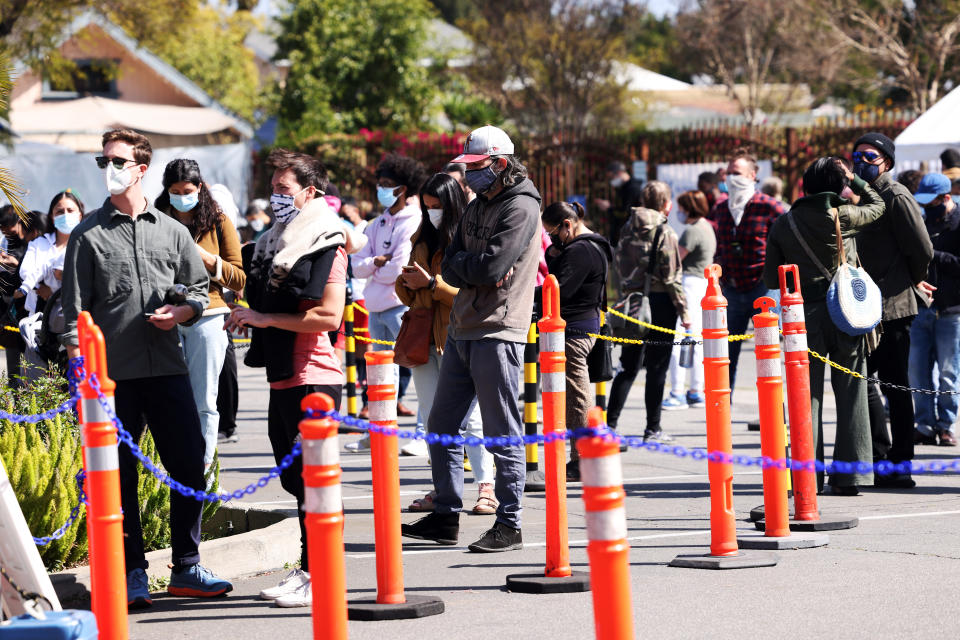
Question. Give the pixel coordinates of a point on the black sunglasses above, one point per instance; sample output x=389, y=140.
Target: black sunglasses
x=118, y=163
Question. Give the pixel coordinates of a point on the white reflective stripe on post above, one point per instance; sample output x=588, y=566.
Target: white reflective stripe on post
x=383, y=410
x=553, y=382
x=768, y=367
x=794, y=342
x=102, y=458
x=93, y=411
x=552, y=342
x=792, y=313
x=715, y=348
x=601, y=472
x=606, y=525
x=715, y=318
x=321, y=452
x=323, y=499
x=381, y=374
x=766, y=335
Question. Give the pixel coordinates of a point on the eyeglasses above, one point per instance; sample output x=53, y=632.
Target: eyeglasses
x=867, y=156
x=118, y=163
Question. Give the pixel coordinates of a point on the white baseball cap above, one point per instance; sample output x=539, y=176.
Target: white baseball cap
x=485, y=142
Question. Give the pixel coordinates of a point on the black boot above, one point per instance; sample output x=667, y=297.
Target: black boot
x=500, y=537
x=442, y=528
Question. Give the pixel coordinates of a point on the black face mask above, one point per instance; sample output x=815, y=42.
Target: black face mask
x=935, y=213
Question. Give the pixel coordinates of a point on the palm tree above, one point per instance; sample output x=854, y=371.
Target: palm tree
x=8, y=182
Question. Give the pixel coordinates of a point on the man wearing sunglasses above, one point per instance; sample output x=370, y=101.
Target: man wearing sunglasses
x=895, y=250
x=121, y=260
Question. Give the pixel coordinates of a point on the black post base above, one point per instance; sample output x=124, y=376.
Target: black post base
x=743, y=560
x=414, y=607
x=539, y=583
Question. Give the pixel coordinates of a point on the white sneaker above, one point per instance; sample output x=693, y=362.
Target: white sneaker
x=360, y=446
x=293, y=581
x=418, y=448
x=302, y=597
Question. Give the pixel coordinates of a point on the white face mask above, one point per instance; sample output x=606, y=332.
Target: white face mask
x=283, y=208
x=616, y=182
x=257, y=225
x=741, y=189
x=118, y=180
x=435, y=215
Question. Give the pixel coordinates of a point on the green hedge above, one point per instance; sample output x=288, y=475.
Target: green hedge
x=42, y=461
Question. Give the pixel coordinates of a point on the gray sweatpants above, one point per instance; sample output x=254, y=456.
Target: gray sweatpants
x=489, y=369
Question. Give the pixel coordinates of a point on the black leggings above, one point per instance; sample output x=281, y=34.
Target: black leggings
x=656, y=359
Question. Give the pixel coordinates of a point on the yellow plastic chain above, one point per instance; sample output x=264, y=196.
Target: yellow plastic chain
x=14, y=329
x=735, y=338
x=374, y=341
x=836, y=366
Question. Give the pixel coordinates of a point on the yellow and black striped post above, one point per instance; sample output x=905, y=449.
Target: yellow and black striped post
x=601, y=387
x=350, y=362
x=536, y=480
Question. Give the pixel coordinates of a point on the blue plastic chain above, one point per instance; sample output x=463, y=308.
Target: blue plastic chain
x=880, y=468
x=197, y=494
x=74, y=514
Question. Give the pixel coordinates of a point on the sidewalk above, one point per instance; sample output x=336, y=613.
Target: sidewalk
x=894, y=574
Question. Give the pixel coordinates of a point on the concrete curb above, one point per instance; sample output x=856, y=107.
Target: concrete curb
x=244, y=554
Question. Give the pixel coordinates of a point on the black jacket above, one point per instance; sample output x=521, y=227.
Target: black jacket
x=944, y=271
x=581, y=270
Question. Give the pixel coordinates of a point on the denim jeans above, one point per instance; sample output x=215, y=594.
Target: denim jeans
x=740, y=311
x=205, y=347
x=487, y=372
x=935, y=340
x=426, y=378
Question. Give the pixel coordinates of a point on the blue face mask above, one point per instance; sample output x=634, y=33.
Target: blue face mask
x=67, y=222
x=868, y=172
x=480, y=180
x=386, y=197
x=722, y=186
x=184, y=203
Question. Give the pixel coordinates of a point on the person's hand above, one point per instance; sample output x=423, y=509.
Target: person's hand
x=417, y=278
x=44, y=291
x=8, y=261
x=503, y=280
x=18, y=294
x=168, y=316
x=687, y=324
x=602, y=204
x=379, y=261
x=209, y=260
x=229, y=324
x=242, y=318
x=846, y=171
x=926, y=288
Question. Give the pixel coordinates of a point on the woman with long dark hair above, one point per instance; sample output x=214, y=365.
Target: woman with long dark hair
x=420, y=286
x=579, y=259
x=187, y=199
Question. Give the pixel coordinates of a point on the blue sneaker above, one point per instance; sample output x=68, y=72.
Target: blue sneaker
x=696, y=399
x=197, y=582
x=138, y=594
x=674, y=403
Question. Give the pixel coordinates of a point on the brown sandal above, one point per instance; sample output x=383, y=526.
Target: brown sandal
x=486, y=502
x=423, y=504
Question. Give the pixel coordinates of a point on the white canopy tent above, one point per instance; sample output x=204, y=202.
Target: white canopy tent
x=927, y=136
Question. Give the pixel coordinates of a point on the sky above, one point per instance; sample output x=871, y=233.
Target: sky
x=657, y=7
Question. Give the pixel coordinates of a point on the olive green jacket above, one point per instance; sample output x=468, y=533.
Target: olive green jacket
x=814, y=219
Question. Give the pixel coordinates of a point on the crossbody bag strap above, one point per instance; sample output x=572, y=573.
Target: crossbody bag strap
x=650, y=257
x=841, y=254
x=806, y=247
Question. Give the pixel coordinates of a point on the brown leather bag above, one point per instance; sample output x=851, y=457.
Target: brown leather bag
x=412, y=347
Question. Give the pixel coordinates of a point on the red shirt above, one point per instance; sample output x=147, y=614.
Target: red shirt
x=314, y=359
x=742, y=248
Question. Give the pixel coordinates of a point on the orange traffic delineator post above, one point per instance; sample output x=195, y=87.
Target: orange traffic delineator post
x=558, y=577
x=806, y=514
x=391, y=603
x=536, y=481
x=101, y=462
x=724, y=552
x=608, y=549
x=323, y=505
x=773, y=440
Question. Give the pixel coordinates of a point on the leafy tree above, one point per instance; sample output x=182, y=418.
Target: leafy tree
x=652, y=43
x=547, y=64
x=209, y=50
x=8, y=182
x=453, y=11
x=912, y=46
x=353, y=65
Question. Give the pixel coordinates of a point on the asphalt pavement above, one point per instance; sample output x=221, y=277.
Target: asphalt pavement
x=896, y=574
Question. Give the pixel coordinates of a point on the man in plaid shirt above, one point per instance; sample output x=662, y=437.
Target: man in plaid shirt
x=742, y=223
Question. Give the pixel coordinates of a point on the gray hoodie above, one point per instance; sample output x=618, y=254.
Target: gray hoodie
x=495, y=236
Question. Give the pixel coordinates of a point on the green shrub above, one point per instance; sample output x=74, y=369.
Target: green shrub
x=43, y=460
